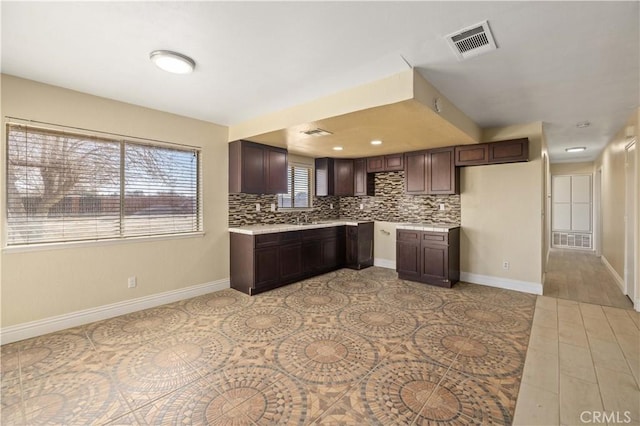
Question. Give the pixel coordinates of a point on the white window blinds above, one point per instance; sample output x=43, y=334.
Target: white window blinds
x=298, y=188
x=70, y=187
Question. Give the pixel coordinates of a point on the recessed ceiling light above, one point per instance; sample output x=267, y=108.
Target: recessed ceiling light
x=376, y=142
x=576, y=149
x=583, y=124
x=337, y=148
x=174, y=62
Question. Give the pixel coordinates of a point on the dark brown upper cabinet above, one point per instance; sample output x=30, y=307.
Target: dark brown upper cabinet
x=385, y=163
x=363, y=182
x=509, y=151
x=472, y=155
x=334, y=176
x=257, y=169
x=442, y=175
x=415, y=172
x=431, y=172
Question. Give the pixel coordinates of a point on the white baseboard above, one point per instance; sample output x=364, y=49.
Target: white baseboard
x=636, y=305
x=30, y=329
x=499, y=282
x=384, y=263
x=617, y=278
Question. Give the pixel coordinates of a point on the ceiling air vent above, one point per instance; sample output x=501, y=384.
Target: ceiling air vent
x=316, y=132
x=472, y=41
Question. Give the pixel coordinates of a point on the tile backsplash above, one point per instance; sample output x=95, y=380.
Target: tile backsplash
x=390, y=204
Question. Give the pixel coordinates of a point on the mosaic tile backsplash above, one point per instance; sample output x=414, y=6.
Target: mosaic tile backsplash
x=390, y=204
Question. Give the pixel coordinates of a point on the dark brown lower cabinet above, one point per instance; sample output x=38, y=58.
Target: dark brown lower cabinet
x=428, y=257
x=266, y=261
x=408, y=254
x=359, y=246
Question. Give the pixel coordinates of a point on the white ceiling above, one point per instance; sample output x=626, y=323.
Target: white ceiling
x=557, y=62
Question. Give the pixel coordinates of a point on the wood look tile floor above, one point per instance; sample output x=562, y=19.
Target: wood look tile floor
x=581, y=276
x=345, y=348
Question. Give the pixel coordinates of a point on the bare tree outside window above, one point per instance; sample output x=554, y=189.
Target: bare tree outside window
x=69, y=187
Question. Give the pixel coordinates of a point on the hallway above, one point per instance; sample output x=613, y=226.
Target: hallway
x=582, y=277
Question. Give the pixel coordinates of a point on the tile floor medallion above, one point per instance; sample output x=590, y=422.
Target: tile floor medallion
x=345, y=348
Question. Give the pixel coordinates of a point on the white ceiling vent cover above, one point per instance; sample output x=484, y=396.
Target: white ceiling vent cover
x=472, y=41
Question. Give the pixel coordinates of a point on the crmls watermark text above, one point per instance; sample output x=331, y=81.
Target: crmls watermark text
x=605, y=417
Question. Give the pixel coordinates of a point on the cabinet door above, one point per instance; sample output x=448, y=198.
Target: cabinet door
x=408, y=259
x=329, y=253
x=267, y=261
x=375, y=164
x=442, y=175
x=343, y=169
x=351, y=255
x=276, y=171
x=393, y=162
x=511, y=151
x=415, y=176
x=311, y=256
x=472, y=155
x=435, y=264
x=363, y=182
x=290, y=261
x=253, y=169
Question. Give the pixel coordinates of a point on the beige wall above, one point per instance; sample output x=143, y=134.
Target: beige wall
x=612, y=163
x=44, y=283
x=585, y=168
x=502, y=212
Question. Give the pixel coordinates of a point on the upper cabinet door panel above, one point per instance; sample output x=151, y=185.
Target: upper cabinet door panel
x=510, y=151
x=442, y=173
x=375, y=164
x=472, y=155
x=343, y=169
x=415, y=176
x=393, y=162
x=253, y=169
x=276, y=172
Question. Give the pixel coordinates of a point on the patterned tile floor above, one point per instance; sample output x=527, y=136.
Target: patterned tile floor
x=348, y=347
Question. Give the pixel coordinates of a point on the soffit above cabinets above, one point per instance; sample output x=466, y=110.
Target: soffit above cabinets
x=403, y=111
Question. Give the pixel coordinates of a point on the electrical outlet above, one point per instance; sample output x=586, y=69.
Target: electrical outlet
x=505, y=264
x=361, y=206
x=257, y=207
x=442, y=207
x=273, y=207
x=331, y=206
x=132, y=282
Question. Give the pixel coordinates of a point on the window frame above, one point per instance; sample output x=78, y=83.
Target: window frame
x=291, y=166
x=120, y=236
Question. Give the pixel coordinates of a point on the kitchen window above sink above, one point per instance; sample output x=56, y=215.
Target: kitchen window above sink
x=298, y=194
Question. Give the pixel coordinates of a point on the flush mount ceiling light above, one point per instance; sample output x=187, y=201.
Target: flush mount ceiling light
x=376, y=142
x=576, y=149
x=583, y=124
x=337, y=148
x=173, y=62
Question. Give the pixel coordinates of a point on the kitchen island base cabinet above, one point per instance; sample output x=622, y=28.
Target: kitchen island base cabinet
x=428, y=257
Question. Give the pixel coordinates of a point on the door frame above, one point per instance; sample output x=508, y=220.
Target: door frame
x=597, y=212
x=631, y=216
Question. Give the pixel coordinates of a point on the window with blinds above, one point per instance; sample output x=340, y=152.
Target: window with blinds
x=64, y=187
x=298, y=188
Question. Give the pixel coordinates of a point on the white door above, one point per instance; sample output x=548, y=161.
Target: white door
x=561, y=199
x=630, y=221
x=581, y=203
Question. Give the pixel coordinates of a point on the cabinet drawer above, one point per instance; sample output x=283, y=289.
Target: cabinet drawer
x=290, y=237
x=408, y=235
x=313, y=234
x=265, y=240
x=435, y=238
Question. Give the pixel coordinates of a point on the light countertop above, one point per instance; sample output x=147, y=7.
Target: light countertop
x=285, y=227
